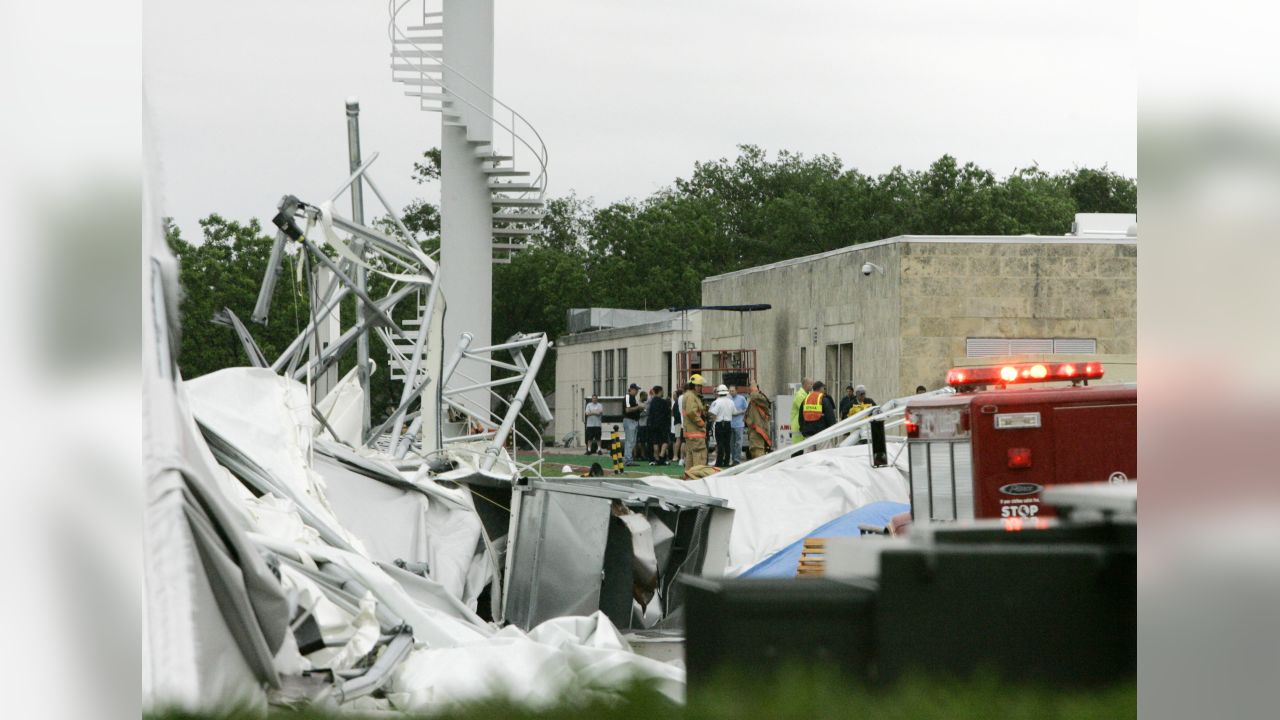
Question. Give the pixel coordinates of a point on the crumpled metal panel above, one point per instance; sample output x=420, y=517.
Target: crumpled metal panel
x=556, y=567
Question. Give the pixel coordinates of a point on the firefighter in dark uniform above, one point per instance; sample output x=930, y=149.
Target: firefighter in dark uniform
x=818, y=412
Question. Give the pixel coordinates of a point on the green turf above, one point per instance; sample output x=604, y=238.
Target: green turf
x=553, y=462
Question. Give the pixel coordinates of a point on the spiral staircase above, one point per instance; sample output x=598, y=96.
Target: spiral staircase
x=508, y=152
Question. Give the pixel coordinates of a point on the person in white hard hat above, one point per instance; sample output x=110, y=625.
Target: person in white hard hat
x=859, y=402
x=722, y=411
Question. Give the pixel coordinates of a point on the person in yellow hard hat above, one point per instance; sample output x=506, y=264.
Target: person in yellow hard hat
x=693, y=423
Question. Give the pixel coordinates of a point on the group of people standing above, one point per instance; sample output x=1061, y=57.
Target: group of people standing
x=658, y=429
x=813, y=410
x=737, y=421
x=646, y=426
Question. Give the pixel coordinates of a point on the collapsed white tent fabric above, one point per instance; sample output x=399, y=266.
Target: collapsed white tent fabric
x=399, y=522
x=215, y=619
x=776, y=506
x=538, y=668
x=258, y=420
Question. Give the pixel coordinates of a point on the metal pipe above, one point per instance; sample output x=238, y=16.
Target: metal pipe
x=406, y=440
x=357, y=173
x=472, y=438
x=374, y=237
x=262, y=309
x=464, y=341
x=424, y=329
x=408, y=236
x=525, y=341
x=380, y=672
x=361, y=275
x=499, y=364
x=364, y=296
x=331, y=353
x=489, y=384
x=395, y=415
x=302, y=338
x=890, y=411
x=539, y=402
x=491, y=453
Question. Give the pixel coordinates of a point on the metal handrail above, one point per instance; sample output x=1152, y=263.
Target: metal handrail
x=891, y=412
x=540, y=156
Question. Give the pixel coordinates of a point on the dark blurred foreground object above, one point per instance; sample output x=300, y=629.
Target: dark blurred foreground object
x=1051, y=602
x=764, y=625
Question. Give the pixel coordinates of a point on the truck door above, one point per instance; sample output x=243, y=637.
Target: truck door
x=1096, y=443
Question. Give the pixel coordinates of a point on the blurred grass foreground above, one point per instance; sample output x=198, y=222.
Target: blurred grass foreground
x=795, y=695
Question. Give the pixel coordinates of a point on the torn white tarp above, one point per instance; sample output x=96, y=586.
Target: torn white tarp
x=267, y=418
x=343, y=408
x=778, y=505
x=537, y=668
x=327, y=543
x=215, y=617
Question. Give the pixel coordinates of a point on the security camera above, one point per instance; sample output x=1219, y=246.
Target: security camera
x=867, y=267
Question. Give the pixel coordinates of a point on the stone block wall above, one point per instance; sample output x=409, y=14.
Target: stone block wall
x=952, y=291
x=909, y=325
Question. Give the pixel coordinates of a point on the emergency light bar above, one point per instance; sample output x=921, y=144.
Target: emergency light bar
x=1017, y=373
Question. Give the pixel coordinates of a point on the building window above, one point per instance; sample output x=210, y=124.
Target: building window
x=595, y=373
x=839, y=366
x=608, y=372
x=996, y=347
x=804, y=362
x=622, y=371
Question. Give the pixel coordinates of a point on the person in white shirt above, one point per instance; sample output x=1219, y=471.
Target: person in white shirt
x=722, y=411
x=594, y=413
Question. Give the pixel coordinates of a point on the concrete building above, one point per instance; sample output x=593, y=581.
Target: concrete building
x=898, y=313
x=607, y=350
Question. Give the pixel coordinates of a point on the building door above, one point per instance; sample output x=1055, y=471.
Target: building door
x=839, y=367
x=669, y=363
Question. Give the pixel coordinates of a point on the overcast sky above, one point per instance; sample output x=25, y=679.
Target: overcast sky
x=246, y=97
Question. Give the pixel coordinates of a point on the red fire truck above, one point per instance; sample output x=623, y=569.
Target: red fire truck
x=990, y=449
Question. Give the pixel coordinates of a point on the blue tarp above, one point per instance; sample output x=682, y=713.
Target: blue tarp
x=783, y=563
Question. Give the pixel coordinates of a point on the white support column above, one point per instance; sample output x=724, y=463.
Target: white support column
x=465, y=201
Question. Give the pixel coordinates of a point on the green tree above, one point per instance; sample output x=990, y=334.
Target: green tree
x=728, y=214
x=1102, y=191
x=225, y=270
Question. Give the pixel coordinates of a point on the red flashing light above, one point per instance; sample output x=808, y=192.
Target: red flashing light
x=1019, y=458
x=1018, y=373
x=913, y=427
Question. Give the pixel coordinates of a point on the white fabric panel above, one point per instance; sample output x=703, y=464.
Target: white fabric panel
x=391, y=522
x=535, y=669
x=193, y=661
x=453, y=548
x=268, y=417
x=359, y=631
x=343, y=409
x=456, y=656
x=776, y=506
